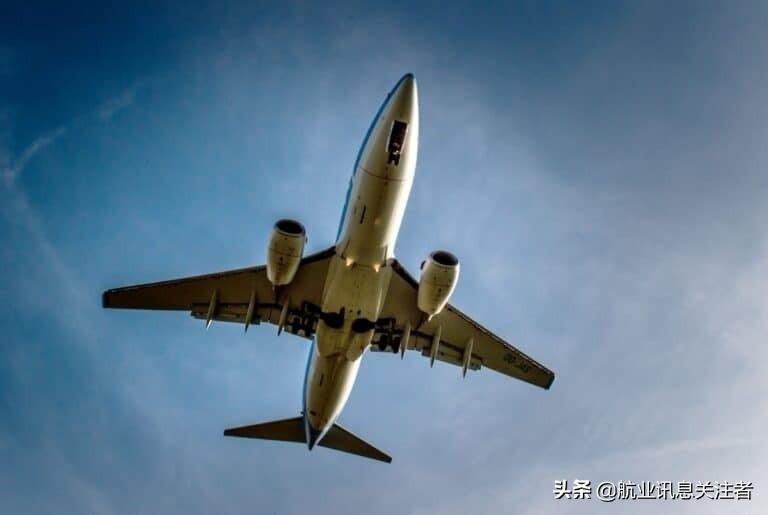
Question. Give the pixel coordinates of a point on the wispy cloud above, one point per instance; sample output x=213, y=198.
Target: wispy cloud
x=13, y=167
x=17, y=165
x=117, y=103
x=642, y=284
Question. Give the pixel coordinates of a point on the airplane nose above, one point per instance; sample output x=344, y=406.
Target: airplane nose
x=405, y=95
x=407, y=80
x=390, y=147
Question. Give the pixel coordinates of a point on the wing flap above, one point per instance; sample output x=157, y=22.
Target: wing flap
x=457, y=329
x=300, y=320
x=229, y=295
x=182, y=294
x=490, y=350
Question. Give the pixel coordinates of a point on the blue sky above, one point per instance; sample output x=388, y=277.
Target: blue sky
x=599, y=168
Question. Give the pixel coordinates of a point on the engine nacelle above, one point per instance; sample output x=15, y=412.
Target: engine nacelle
x=286, y=246
x=439, y=275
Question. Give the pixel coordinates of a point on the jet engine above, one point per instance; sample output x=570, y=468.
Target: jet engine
x=286, y=246
x=439, y=275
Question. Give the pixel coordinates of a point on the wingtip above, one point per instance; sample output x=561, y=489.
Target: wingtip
x=549, y=384
x=104, y=301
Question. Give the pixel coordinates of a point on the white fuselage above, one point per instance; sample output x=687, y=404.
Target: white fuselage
x=358, y=275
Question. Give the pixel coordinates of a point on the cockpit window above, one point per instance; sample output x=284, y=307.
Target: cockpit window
x=396, y=140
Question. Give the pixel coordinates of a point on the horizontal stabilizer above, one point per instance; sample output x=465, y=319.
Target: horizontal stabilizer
x=292, y=430
x=287, y=430
x=342, y=440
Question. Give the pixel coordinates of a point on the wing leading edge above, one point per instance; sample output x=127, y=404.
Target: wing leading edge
x=244, y=295
x=460, y=340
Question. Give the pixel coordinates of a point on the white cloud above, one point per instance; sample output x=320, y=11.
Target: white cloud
x=16, y=166
x=658, y=333
x=117, y=103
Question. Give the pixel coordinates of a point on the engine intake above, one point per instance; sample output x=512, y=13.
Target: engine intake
x=286, y=247
x=439, y=276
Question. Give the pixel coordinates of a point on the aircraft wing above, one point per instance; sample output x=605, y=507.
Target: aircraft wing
x=462, y=342
x=245, y=296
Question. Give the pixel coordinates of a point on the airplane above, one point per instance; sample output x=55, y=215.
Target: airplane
x=350, y=298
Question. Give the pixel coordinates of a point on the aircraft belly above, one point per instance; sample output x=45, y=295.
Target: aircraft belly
x=359, y=292
x=331, y=381
x=358, y=278
x=377, y=205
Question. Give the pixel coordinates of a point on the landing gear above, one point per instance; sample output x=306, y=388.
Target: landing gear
x=386, y=337
x=333, y=320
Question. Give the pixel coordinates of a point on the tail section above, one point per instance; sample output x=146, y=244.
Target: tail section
x=292, y=430
x=287, y=430
x=342, y=440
